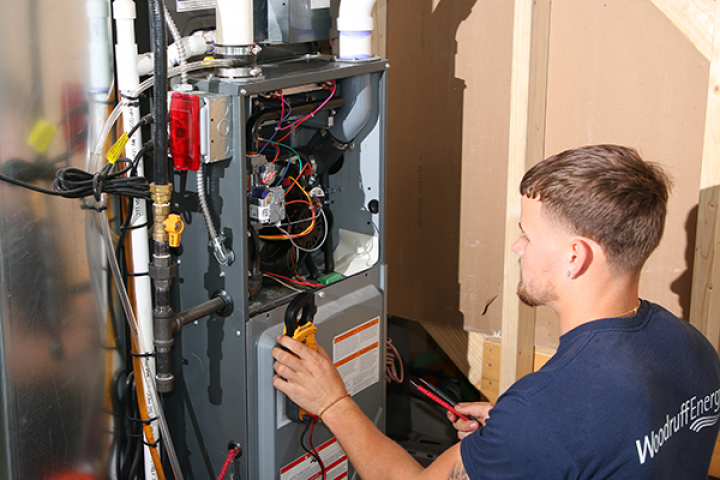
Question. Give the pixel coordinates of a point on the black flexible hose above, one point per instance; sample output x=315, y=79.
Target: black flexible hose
x=160, y=91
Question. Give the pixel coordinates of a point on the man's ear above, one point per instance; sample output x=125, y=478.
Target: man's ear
x=580, y=257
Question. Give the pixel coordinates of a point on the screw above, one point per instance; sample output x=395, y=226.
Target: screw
x=321, y=294
x=243, y=91
x=238, y=333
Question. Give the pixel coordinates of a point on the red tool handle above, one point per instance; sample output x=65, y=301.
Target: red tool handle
x=439, y=400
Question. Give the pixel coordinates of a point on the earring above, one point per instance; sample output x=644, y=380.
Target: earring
x=567, y=273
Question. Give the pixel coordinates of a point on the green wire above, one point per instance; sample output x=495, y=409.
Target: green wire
x=286, y=146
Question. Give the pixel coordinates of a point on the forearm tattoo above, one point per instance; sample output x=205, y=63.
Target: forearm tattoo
x=458, y=472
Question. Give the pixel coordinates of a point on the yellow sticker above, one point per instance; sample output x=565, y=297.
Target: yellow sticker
x=41, y=135
x=117, y=149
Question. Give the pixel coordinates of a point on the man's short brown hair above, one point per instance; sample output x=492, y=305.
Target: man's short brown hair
x=606, y=193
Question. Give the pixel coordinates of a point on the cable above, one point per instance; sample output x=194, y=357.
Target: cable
x=393, y=359
x=320, y=243
x=283, y=117
x=73, y=182
x=265, y=274
x=233, y=453
x=300, y=166
x=305, y=283
x=223, y=255
x=310, y=421
x=313, y=450
x=177, y=39
x=297, y=122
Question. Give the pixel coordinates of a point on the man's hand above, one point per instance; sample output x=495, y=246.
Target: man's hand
x=308, y=377
x=479, y=410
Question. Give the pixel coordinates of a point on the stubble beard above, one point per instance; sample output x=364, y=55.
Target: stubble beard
x=535, y=298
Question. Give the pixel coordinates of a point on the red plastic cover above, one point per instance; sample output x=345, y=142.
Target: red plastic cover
x=185, y=131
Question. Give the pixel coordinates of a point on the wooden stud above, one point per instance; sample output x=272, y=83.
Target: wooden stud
x=705, y=300
x=464, y=349
x=490, y=384
x=379, y=35
x=527, y=140
x=694, y=19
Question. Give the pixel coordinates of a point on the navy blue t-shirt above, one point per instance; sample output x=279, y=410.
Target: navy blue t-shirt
x=623, y=398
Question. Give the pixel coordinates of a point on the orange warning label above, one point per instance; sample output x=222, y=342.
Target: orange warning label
x=356, y=354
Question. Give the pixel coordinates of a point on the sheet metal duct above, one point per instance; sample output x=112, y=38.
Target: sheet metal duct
x=53, y=92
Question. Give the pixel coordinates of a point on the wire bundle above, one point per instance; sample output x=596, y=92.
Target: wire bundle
x=71, y=182
x=75, y=183
x=393, y=359
x=310, y=422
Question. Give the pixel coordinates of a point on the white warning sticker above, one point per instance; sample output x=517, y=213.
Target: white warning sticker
x=356, y=354
x=191, y=5
x=307, y=467
x=317, y=4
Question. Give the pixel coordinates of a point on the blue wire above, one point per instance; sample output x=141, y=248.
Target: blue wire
x=289, y=159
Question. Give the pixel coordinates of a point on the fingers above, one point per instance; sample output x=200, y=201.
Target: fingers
x=298, y=348
x=479, y=410
x=451, y=416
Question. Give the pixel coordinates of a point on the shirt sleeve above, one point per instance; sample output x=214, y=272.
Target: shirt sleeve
x=516, y=443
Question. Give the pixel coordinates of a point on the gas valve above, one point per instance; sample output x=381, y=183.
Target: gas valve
x=174, y=226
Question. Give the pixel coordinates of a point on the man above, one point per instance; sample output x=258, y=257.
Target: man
x=632, y=392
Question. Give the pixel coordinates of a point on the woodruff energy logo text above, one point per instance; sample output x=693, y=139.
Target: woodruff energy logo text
x=695, y=413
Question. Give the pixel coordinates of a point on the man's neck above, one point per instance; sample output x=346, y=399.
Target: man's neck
x=586, y=300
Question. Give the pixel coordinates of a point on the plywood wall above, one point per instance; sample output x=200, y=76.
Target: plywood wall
x=448, y=116
x=619, y=72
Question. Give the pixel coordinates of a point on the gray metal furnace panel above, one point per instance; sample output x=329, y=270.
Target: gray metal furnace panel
x=296, y=21
x=222, y=365
x=341, y=308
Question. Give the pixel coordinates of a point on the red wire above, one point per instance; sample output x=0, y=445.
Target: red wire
x=312, y=447
x=233, y=453
x=305, y=283
x=301, y=120
x=308, y=282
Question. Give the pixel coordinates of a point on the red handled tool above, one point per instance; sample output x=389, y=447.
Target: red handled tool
x=438, y=400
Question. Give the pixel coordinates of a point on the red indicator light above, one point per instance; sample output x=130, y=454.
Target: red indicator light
x=185, y=131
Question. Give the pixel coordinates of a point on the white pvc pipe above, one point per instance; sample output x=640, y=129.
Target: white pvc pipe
x=128, y=79
x=355, y=25
x=199, y=43
x=234, y=22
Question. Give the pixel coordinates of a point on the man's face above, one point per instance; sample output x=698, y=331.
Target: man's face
x=539, y=250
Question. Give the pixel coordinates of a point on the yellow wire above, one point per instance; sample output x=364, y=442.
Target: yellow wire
x=303, y=233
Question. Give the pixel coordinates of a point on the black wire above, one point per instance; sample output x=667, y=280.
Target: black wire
x=308, y=421
x=71, y=182
x=120, y=246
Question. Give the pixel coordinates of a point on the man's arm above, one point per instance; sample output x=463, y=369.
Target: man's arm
x=310, y=379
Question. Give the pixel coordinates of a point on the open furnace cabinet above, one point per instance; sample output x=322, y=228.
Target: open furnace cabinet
x=222, y=364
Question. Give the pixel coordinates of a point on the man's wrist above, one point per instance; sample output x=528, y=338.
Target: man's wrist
x=338, y=412
x=331, y=404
